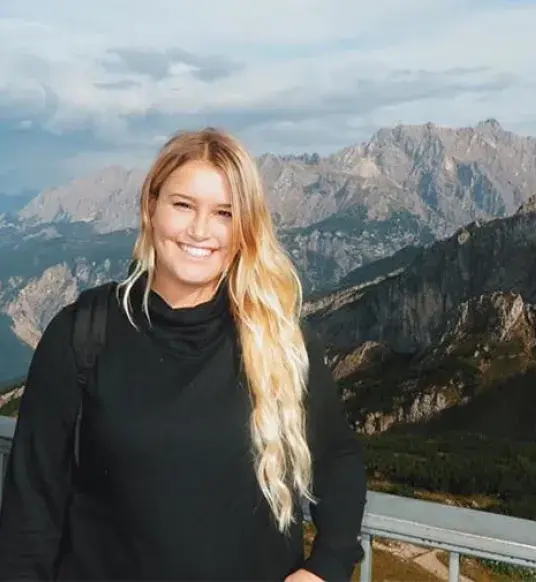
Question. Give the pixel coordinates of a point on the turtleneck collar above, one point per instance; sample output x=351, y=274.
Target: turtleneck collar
x=184, y=331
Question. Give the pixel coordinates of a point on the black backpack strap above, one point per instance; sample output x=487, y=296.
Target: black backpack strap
x=88, y=339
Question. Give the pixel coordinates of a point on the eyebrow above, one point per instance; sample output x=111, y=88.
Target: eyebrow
x=193, y=199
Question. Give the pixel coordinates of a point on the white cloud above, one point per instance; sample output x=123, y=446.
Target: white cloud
x=196, y=25
x=288, y=74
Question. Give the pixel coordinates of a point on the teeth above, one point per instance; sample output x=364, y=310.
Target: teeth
x=196, y=252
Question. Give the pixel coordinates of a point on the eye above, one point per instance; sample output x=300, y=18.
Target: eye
x=181, y=204
x=225, y=213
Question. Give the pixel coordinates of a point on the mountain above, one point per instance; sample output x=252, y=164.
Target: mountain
x=406, y=186
x=45, y=266
x=42, y=268
x=421, y=331
x=439, y=176
x=325, y=252
x=445, y=339
x=108, y=200
x=448, y=176
x=345, y=219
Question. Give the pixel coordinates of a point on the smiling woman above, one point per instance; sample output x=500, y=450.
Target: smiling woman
x=210, y=414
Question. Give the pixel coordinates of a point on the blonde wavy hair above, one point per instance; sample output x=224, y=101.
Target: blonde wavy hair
x=266, y=299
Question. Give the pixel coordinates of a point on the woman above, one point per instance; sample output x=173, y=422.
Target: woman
x=210, y=413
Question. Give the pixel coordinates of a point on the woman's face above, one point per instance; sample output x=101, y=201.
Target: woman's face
x=192, y=229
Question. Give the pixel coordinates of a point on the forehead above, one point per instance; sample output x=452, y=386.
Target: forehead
x=198, y=180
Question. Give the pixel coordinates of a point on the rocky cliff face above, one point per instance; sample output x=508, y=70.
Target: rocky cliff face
x=449, y=177
x=326, y=252
x=41, y=270
x=489, y=345
x=406, y=308
x=456, y=321
x=108, y=200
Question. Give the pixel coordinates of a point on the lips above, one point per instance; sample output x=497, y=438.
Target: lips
x=197, y=252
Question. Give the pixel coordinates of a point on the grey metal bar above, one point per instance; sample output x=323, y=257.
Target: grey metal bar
x=365, y=574
x=454, y=567
x=466, y=531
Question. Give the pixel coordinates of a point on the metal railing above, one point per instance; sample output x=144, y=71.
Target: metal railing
x=457, y=530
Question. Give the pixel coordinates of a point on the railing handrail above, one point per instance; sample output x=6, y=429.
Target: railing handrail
x=428, y=523
x=459, y=529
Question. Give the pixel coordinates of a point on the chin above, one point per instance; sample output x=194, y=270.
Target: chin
x=191, y=273
x=197, y=278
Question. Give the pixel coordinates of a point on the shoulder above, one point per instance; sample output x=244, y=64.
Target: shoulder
x=51, y=377
x=58, y=333
x=59, y=328
x=52, y=369
x=98, y=293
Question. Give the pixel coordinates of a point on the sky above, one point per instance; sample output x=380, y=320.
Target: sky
x=89, y=84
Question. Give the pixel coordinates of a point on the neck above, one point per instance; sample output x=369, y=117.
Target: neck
x=178, y=296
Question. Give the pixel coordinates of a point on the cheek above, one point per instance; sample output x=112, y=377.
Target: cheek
x=225, y=235
x=168, y=224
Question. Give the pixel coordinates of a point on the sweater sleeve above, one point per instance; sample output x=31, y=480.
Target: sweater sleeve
x=339, y=475
x=38, y=478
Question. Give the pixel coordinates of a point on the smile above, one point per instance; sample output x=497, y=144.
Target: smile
x=196, y=251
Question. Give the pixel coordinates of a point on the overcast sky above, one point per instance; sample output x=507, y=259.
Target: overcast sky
x=87, y=84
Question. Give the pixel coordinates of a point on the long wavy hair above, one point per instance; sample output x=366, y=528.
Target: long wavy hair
x=266, y=299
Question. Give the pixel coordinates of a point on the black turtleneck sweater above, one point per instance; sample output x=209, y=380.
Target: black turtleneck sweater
x=166, y=488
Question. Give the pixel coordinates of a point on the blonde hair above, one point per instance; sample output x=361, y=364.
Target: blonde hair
x=266, y=299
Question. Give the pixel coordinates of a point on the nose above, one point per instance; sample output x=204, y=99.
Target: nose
x=199, y=227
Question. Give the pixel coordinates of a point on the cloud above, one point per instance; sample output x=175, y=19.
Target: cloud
x=223, y=25
x=118, y=85
x=161, y=64
x=108, y=81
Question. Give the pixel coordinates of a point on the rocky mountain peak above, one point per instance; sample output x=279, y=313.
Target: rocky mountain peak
x=490, y=124
x=442, y=177
x=107, y=198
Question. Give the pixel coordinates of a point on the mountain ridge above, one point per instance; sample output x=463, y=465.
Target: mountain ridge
x=452, y=325
x=420, y=169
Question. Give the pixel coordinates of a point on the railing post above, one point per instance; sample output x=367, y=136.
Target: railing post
x=454, y=567
x=366, y=564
